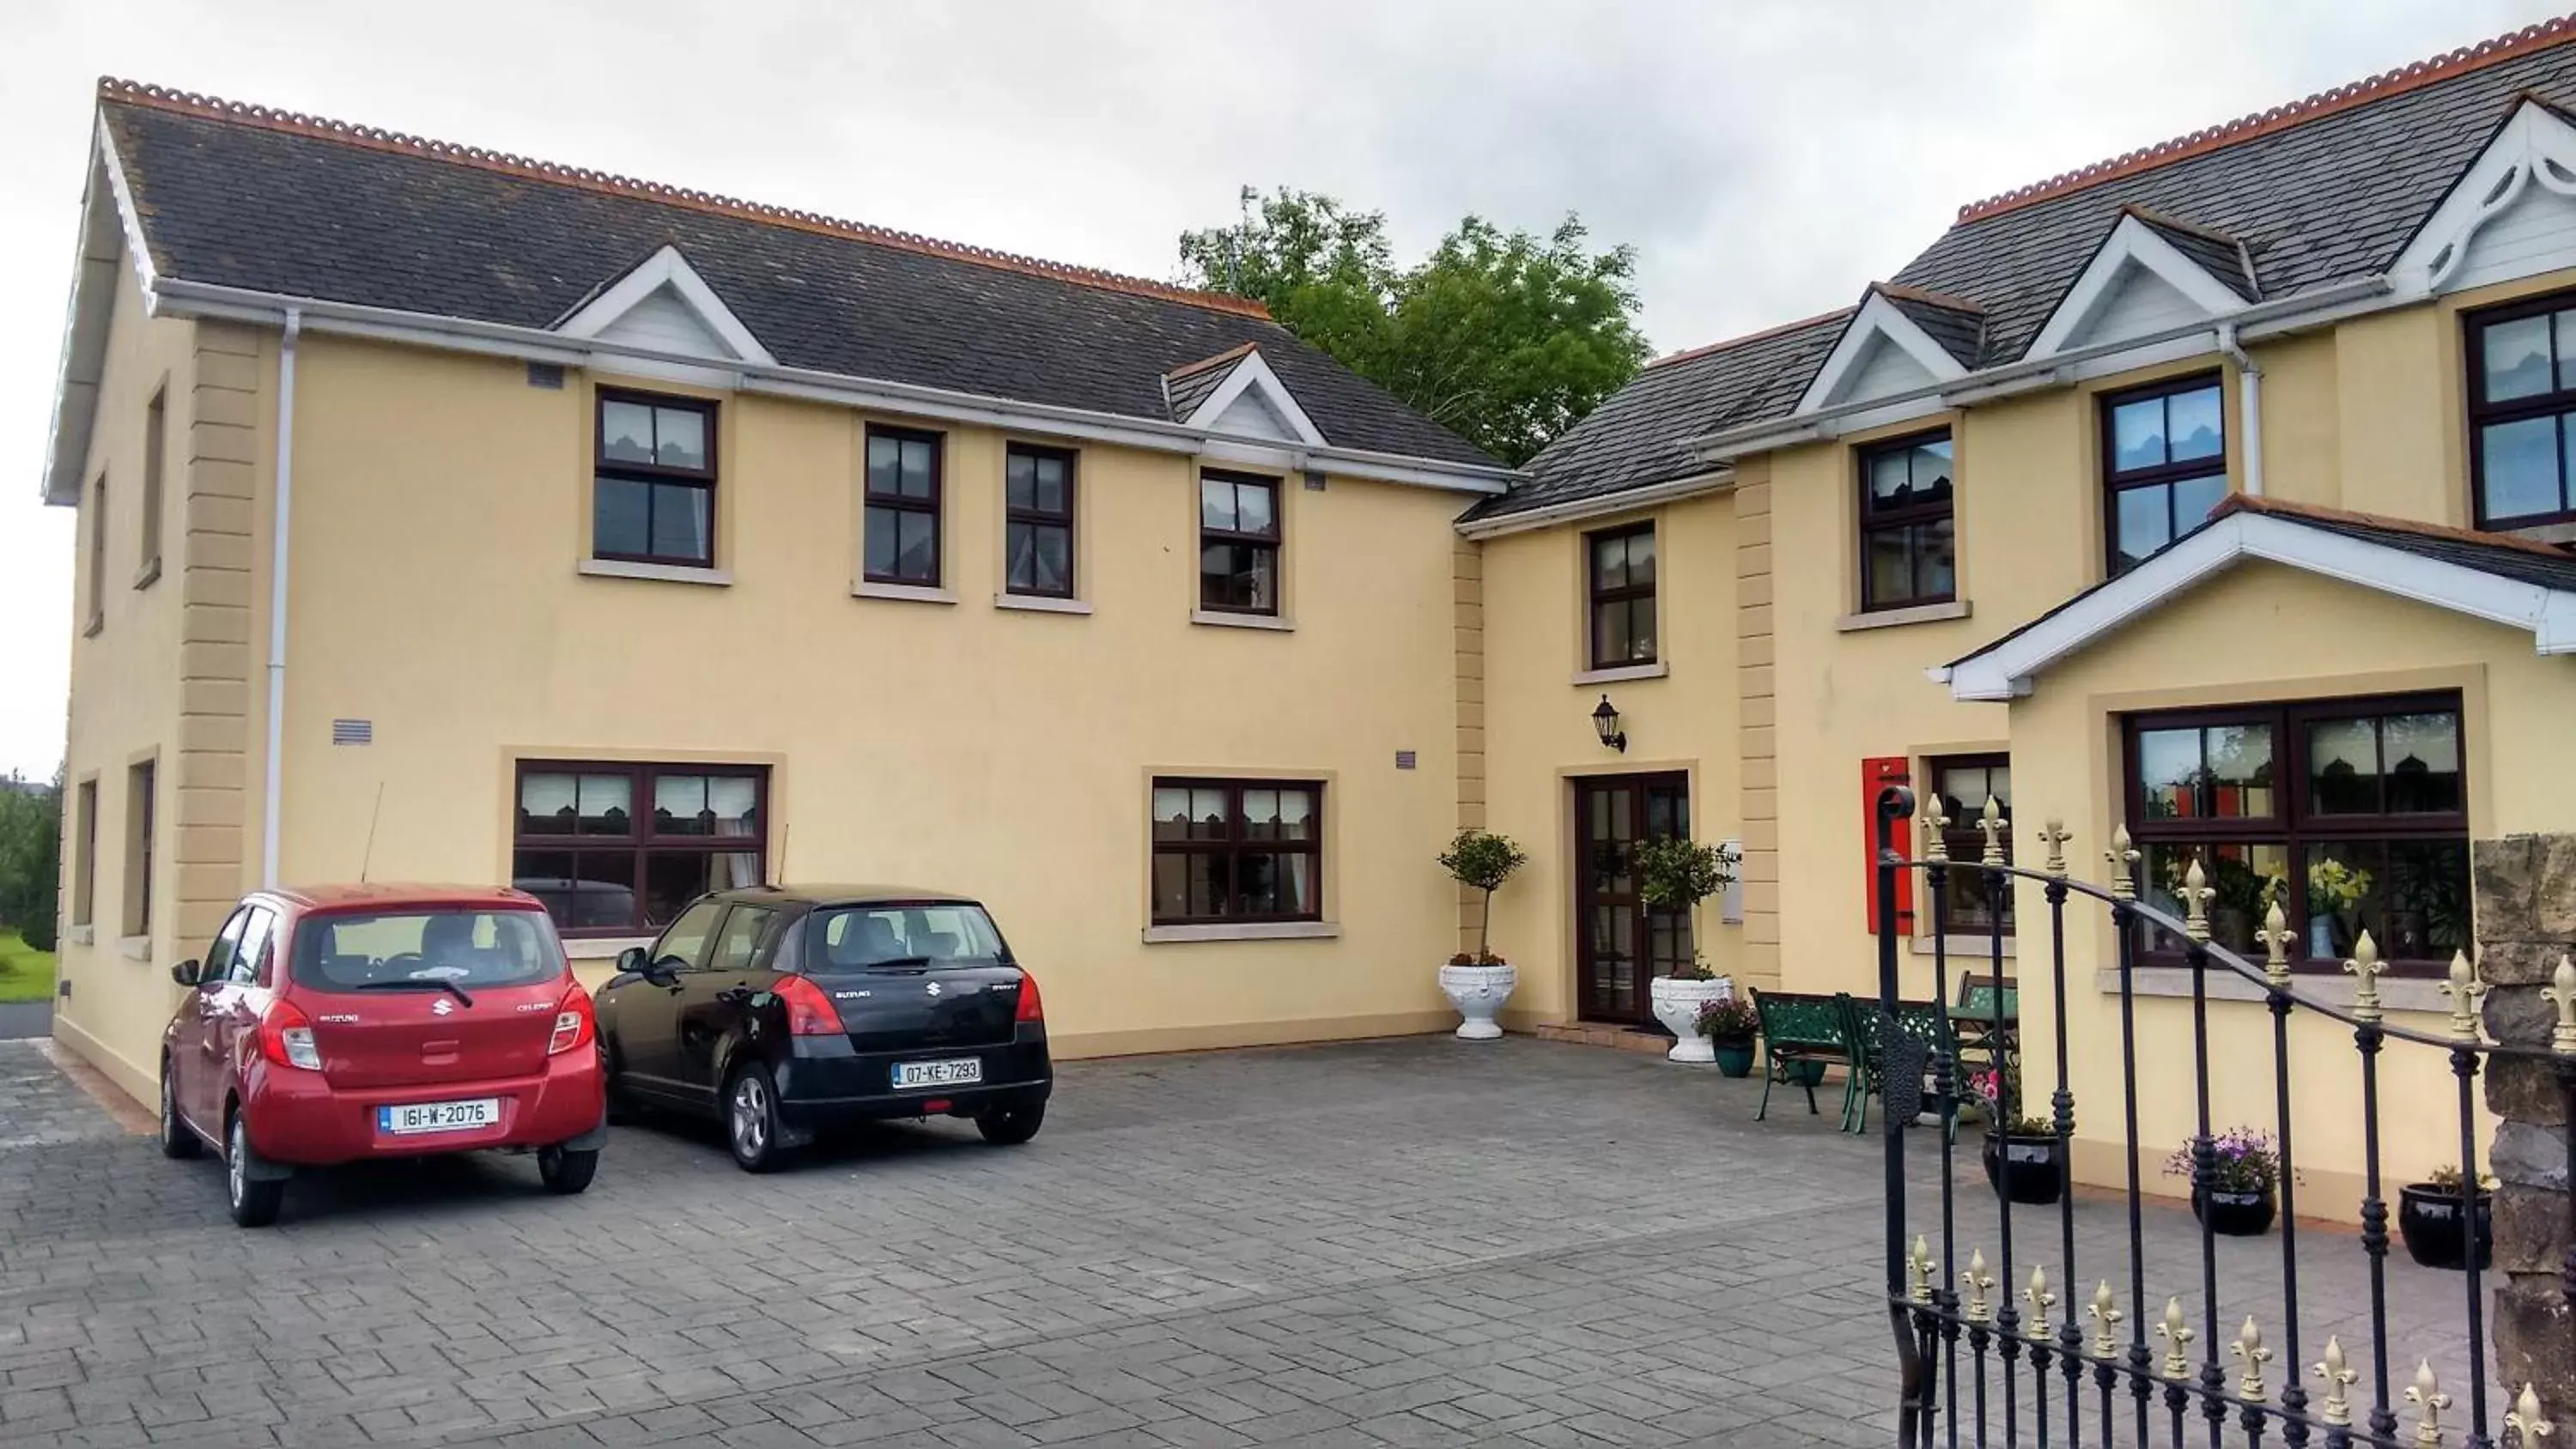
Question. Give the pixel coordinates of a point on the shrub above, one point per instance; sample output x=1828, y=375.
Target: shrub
x=1482, y=860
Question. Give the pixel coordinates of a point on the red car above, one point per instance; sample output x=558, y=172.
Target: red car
x=333, y=1023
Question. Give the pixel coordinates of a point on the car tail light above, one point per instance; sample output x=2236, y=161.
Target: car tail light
x=574, y=1023
x=1031, y=1008
x=286, y=1037
x=809, y=1011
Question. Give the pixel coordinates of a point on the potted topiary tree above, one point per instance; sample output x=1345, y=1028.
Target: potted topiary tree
x=1730, y=1026
x=1676, y=874
x=1478, y=984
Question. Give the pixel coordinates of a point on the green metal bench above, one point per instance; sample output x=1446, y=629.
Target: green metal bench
x=1802, y=1030
x=1972, y=1018
x=1868, y=1028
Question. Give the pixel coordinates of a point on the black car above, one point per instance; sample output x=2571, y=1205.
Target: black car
x=781, y=1011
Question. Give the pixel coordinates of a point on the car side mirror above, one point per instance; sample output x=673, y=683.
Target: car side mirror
x=185, y=973
x=632, y=959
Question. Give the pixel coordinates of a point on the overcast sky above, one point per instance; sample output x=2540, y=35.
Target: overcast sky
x=1765, y=159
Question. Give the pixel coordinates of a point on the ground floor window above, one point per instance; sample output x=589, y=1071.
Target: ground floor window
x=141, y=820
x=2352, y=813
x=618, y=849
x=1237, y=850
x=1965, y=783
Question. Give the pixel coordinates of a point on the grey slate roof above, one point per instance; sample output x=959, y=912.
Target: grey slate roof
x=1196, y=380
x=2316, y=201
x=1959, y=328
x=230, y=202
x=2216, y=253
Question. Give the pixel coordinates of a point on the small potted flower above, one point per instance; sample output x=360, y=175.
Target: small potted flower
x=2025, y=1159
x=1676, y=874
x=2334, y=888
x=1730, y=1026
x=2428, y=1218
x=2242, y=1195
x=1478, y=984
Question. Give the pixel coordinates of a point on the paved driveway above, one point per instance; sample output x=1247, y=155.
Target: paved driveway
x=1413, y=1243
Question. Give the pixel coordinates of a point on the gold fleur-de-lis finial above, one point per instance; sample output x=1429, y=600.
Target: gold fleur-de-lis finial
x=2196, y=895
x=2429, y=1401
x=2561, y=993
x=2054, y=836
x=1936, y=845
x=2121, y=856
x=2041, y=1298
x=1918, y=1271
x=2365, y=967
x=2464, y=988
x=2339, y=1377
x=2249, y=1351
x=2106, y=1316
x=2524, y=1418
x=2276, y=939
x=1979, y=1283
x=2177, y=1335
x=1991, y=821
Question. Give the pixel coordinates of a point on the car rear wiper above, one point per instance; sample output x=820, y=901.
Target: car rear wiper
x=899, y=963
x=427, y=984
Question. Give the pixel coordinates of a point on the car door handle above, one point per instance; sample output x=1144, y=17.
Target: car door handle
x=734, y=996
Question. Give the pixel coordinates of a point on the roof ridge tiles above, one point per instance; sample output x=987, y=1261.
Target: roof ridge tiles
x=2282, y=508
x=216, y=108
x=2412, y=76
x=1705, y=348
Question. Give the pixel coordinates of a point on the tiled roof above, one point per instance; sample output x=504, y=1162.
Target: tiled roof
x=2328, y=190
x=1189, y=384
x=246, y=197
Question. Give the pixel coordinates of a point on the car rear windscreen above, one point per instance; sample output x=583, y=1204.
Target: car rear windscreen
x=460, y=947
x=933, y=933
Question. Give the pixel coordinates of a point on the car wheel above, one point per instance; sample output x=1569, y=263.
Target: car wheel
x=178, y=1139
x=1011, y=1126
x=751, y=1120
x=567, y=1170
x=254, y=1201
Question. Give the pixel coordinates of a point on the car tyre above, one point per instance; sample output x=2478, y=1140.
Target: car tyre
x=751, y=1119
x=567, y=1170
x=254, y=1200
x=178, y=1139
x=1011, y=1126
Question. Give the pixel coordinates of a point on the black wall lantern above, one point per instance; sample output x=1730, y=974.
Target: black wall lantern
x=1606, y=720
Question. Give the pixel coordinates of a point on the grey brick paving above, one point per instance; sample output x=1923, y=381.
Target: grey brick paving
x=1395, y=1243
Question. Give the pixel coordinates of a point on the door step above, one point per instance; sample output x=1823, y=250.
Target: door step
x=1622, y=1038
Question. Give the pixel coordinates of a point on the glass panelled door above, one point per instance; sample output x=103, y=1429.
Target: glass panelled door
x=1620, y=941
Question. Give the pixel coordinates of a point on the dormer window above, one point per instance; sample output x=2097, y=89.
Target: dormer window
x=2164, y=465
x=653, y=498
x=2522, y=413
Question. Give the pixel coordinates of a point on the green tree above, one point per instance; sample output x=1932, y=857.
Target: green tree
x=1506, y=338
x=30, y=857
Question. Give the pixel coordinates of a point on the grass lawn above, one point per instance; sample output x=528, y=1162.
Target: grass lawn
x=26, y=974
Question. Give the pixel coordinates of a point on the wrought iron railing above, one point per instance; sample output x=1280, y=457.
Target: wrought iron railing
x=1987, y=1357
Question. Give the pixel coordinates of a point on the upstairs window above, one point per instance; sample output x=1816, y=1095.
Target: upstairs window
x=902, y=521
x=654, y=496
x=1622, y=571
x=1238, y=543
x=155, y=420
x=2164, y=465
x=1908, y=549
x=1037, y=525
x=2522, y=413
x=97, y=556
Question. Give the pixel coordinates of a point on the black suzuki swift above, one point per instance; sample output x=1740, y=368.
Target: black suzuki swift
x=782, y=1010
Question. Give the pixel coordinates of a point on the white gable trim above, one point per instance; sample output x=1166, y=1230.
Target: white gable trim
x=1878, y=322
x=2534, y=145
x=665, y=268
x=2131, y=246
x=109, y=232
x=2005, y=670
x=1249, y=374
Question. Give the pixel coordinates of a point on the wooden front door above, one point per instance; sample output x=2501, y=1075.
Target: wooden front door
x=1620, y=942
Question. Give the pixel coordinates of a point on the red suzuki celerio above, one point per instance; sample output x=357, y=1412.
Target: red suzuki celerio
x=332, y=1023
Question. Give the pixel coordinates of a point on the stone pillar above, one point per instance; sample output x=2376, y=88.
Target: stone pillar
x=2526, y=921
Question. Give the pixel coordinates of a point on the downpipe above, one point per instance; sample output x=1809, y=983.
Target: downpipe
x=2250, y=382
x=272, y=775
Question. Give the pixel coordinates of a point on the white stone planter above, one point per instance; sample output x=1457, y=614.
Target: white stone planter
x=1677, y=1003
x=1479, y=993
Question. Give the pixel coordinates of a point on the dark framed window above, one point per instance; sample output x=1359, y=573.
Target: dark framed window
x=142, y=821
x=620, y=849
x=1238, y=850
x=1965, y=783
x=2353, y=813
x=85, y=862
x=2164, y=464
x=1908, y=550
x=1238, y=543
x=155, y=439
x=97, y=555
x=1037, y=521
x=902, y=523
x=1620, y=565
x=653, y=496
x=2522, y=412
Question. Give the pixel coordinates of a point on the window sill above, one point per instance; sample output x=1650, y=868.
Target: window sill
x=96, y=623
x=902, y=593
x=81, y=935
x=134, y=948
x=1892, y=618
x=1244, y=931
x=1041, y=604
x=1973, y=948
x=1620, y=674
x=148, y=574
x=601, y=948
x=2544, y=532
x=2396, y=993
x=609, y=568
x=1221, y=619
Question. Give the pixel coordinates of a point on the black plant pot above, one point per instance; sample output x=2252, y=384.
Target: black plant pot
x=2428, y=1218
x=2235, y=1214
x=2027, y=1169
